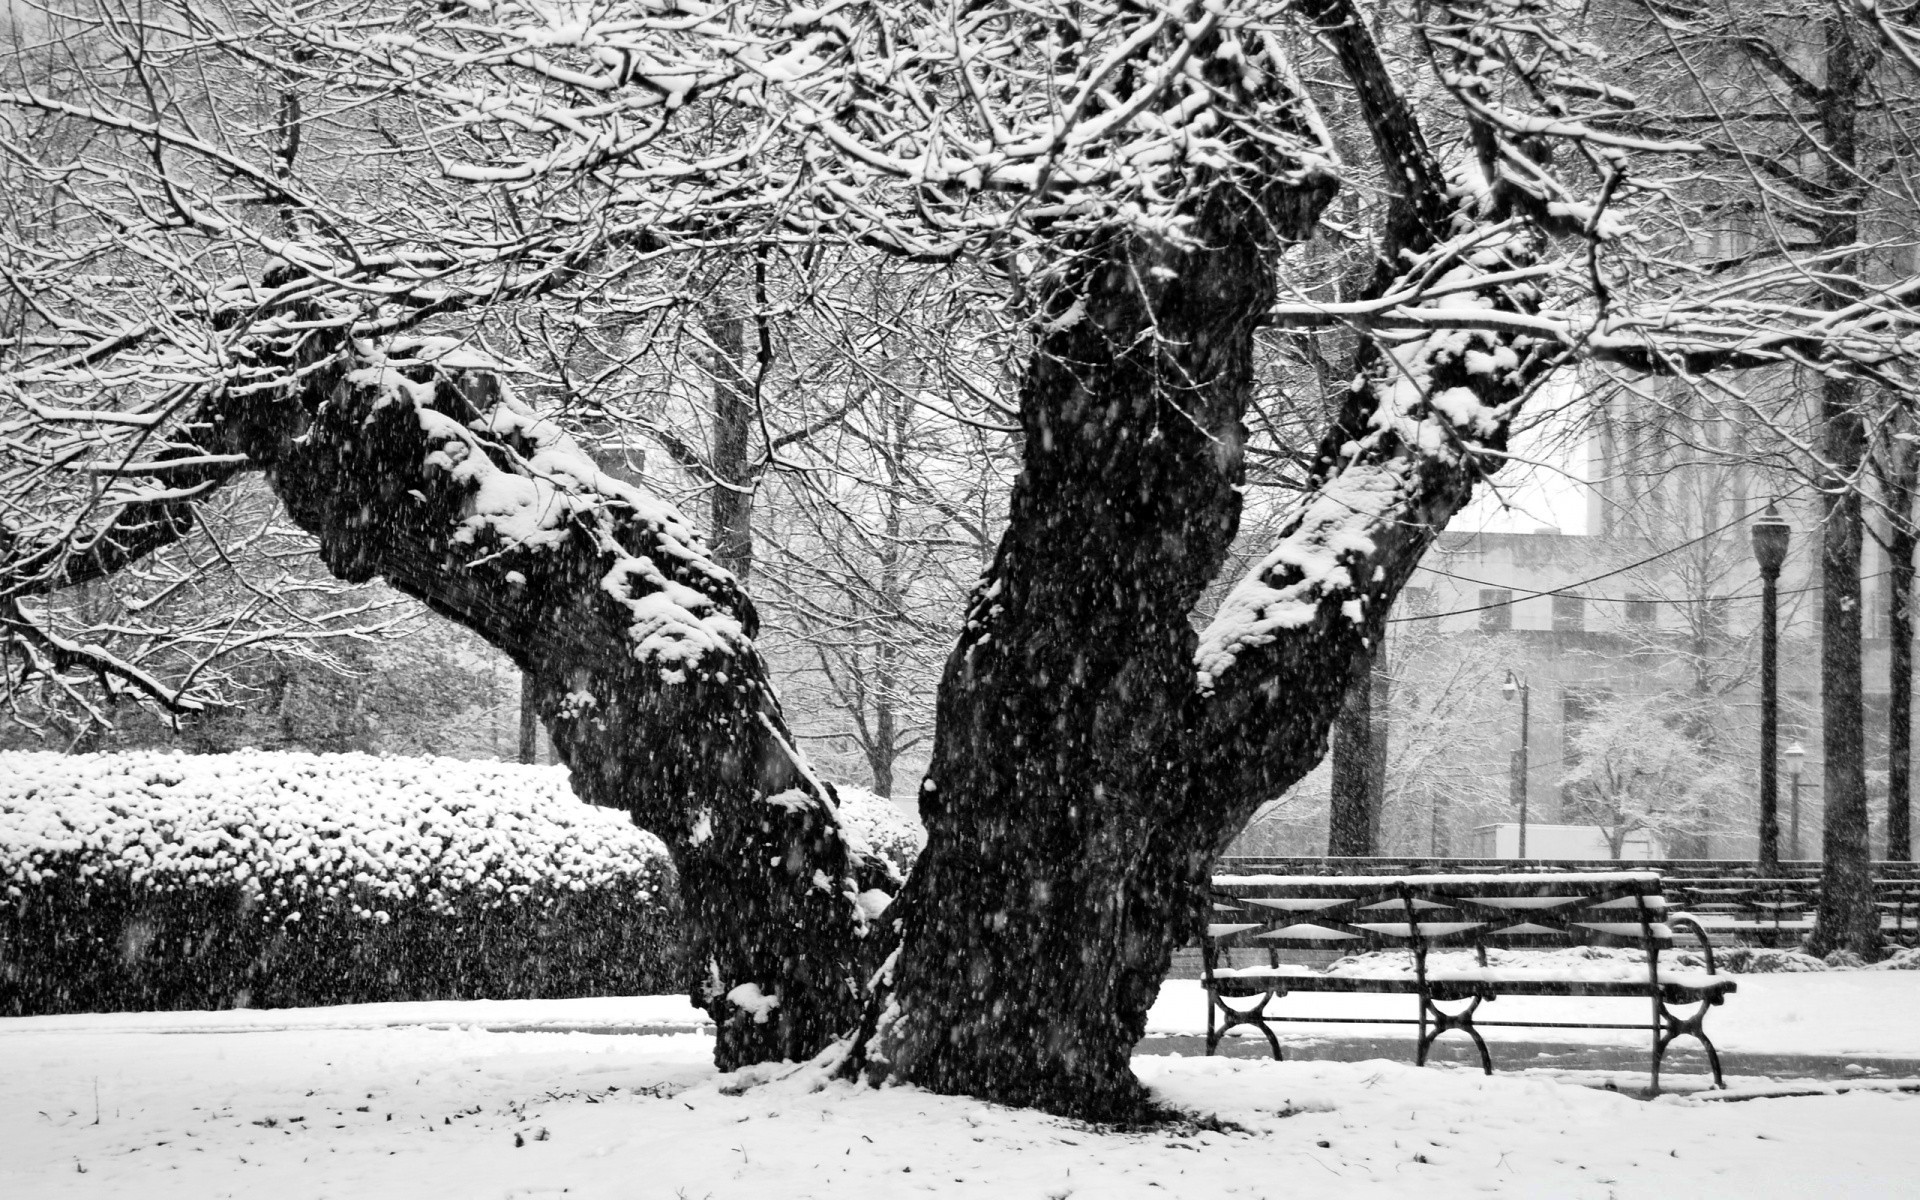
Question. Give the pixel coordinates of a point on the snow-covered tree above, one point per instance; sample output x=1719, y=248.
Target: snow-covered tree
x=1635, y=769
x=285, y=239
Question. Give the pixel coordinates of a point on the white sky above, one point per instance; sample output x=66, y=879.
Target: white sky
x=1546, y=485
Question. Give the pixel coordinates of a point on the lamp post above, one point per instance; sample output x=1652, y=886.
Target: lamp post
x=1770, y=536
x=1795, y=753
x=1516, y=685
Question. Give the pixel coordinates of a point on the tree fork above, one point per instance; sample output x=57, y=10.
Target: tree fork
x=1042, y=916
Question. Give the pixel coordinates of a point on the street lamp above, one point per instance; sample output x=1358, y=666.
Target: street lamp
x=1771, y=534
x=1516, y=685
x=1795, y=754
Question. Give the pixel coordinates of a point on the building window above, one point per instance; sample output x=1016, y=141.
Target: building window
x=1569, y=614
x=1418, y=601
x=1641, y=609
x=1496, y=610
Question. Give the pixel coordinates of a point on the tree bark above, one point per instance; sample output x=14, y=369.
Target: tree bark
x=529, y=747
x=1350, y=808
x=1846, y=918
x=1903, y=480
x=734, y=409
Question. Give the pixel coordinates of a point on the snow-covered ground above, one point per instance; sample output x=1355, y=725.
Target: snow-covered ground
x=422, y=1101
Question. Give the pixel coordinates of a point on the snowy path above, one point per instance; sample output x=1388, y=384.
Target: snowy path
x=339, y=1103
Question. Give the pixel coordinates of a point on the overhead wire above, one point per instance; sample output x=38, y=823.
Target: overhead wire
x=1574, y=587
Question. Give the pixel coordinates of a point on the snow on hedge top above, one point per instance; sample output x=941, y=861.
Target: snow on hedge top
x=876, y=824
x=295, y=825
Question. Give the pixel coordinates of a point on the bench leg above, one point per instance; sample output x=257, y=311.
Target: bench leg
x=1255, y=1016
x=1444, y=1021
x=1668, y=1026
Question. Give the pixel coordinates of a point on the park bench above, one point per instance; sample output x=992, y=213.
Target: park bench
x=1421, y=913
x=1779, y=912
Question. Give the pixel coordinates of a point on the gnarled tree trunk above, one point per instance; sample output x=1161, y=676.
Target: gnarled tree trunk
x=637, y=650
x=1093, y=756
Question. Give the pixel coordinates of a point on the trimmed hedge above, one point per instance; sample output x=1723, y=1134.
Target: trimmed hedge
x=149, y=881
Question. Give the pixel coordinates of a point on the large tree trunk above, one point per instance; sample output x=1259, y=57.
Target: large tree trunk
x=1039, y=921
x=1091, y=756
x=1847, y=918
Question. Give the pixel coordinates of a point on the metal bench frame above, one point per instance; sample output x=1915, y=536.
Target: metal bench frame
x=1517, y=910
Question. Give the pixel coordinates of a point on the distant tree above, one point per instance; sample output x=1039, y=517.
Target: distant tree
x=1636, y=770
x=1446, y=767
x=1897, y=471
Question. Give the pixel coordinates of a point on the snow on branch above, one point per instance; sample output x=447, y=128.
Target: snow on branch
x=523, y=489
x=889, y=123
x=1433, y=404
x=1459, y=287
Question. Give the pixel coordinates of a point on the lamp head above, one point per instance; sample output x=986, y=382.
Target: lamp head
x=1771, y=533
x=1512, y=686
x=1794, y=753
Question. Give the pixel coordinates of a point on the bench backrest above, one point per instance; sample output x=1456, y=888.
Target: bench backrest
x=1349, y=914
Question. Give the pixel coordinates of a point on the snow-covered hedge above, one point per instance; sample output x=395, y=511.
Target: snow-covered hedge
x=162, y=881
x=874, y=823
x=301, y=827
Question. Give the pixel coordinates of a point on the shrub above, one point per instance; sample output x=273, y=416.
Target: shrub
x=1760, y=960
x=150, y=881
x=878, y=825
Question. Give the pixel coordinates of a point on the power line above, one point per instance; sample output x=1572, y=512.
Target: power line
x=1799, y=591
x=1632, y=566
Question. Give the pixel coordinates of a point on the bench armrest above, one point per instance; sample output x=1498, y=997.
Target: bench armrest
x=1686, y=921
